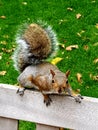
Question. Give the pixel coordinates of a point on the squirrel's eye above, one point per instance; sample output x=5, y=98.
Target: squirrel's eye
x=67, y=82
x=53, y=81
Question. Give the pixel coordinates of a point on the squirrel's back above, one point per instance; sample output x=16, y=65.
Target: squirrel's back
x=36, y=43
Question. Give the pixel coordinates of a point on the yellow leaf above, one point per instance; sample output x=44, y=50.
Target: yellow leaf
x=1, y=55
x=79, y=76
x=95, y=44
x=2, y=73
x=95, y=78
x=96, y=25
x=70, y=9
x=56, y=60
x=3, y=42
x=24, y=3
x=78, y=16
x=96, y=61
x=62, y=45
x=69, y=48
x=2, y=17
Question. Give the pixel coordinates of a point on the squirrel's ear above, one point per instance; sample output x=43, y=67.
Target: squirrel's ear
x=67, y=73
x=52, y=72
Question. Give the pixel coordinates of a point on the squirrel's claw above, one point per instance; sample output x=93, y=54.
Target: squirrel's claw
x=78, y=98
x=20, y=91
x=47, y=100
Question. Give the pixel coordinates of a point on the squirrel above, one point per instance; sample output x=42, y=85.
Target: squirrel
x=36, y=42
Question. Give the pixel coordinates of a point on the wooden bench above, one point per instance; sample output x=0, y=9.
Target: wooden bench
x=63, y=112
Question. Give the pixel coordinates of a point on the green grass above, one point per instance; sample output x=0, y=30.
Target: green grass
x=67, y=26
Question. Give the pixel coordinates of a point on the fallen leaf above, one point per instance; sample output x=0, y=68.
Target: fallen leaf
x=78, y=16
x=7, y=51
x=80, y=33
x=2, y=17
x=63, y=53
x=90, y=75
x=93, y=1
x=86, y=47
x=96, y=25
x=62, y=45
x=56, y=60
x=78, y=90
x=2, y=73
x=95, y=77
x=1, y=55
x=69, y=48
x=79, y=76
x=62, y=21
x=6, y=36
x=70, y=9
x=95, y=44
x=24, y=3
x=3, y=42
x=96, y=61
x=87, y=87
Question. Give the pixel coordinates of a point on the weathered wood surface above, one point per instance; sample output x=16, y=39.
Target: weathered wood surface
x=63, y=112
x=8, y=124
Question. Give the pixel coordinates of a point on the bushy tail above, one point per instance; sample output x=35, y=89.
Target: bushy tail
x=35, y=43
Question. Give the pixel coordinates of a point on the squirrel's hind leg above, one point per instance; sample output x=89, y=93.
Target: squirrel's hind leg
x=20, y=90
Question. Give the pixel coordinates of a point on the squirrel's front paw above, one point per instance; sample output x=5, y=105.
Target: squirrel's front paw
x=47, y=100
x=20, y=91
x=78, y=98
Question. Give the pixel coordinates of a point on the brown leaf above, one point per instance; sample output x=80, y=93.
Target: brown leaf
x=78, y=16
x=96, y=61
x=86, y=47
x=69, y=48
x=79, y=76
x=2, y=73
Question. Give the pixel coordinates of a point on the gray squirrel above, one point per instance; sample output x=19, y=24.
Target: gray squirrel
x=36, y=43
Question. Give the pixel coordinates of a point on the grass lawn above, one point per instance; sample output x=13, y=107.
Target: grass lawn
x=76, y=23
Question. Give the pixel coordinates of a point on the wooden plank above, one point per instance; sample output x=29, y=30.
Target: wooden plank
x=8, y=124
x=45, y=127
x=63, y=112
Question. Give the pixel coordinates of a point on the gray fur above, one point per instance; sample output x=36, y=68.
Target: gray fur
x=22, y=56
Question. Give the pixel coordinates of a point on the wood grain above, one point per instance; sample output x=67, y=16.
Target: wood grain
x=8, y=124
x=63, y=112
